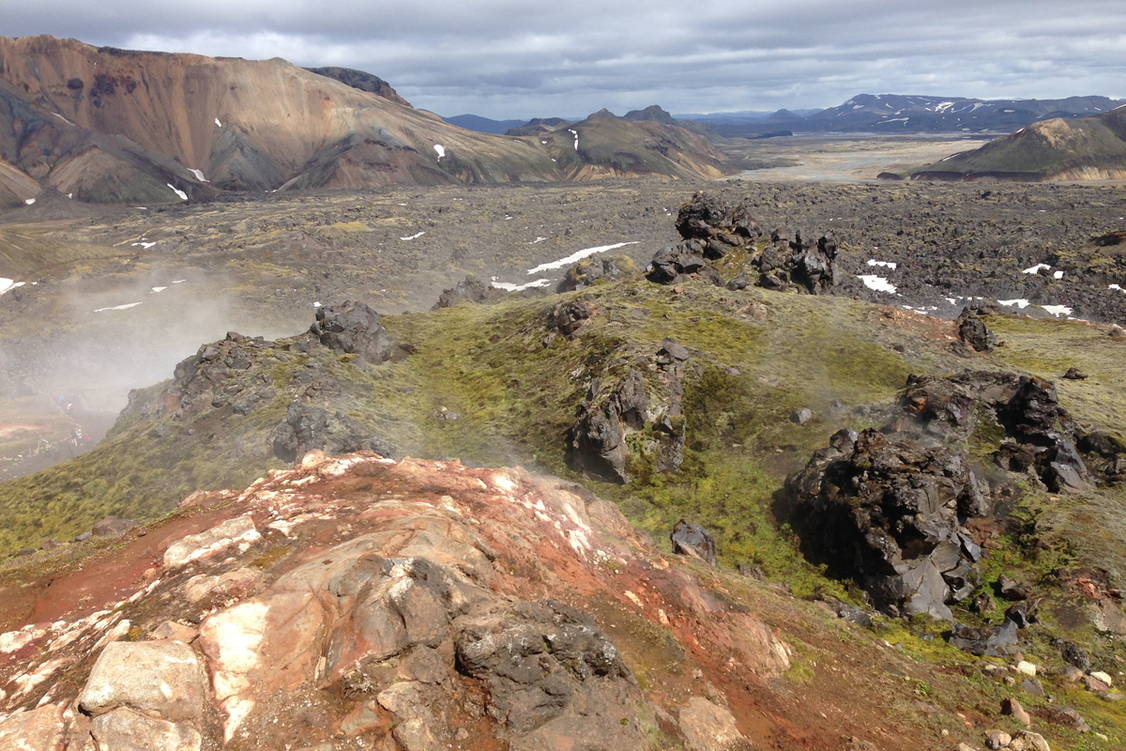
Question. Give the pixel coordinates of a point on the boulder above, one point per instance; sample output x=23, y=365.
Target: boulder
x=632, y=418
x=595, y=269
x=1010, y=589
x=539, y=660
x=693, y=540
x=468, y=290
x=708, y=727
x=887, y=511
x=566, y=317
x=353, y=328
x=112, y=526
x=1013, y=708
x=675, y=261
x=210, y=377
x=306, y=427
x=126, y=730
x=39, y=729
x=596, y=443
x=972, y=331
x=990, y=641
x=160, y=678
x=708, y=217
x=239, y=533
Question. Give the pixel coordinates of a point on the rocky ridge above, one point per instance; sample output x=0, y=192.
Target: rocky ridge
x=393, y=605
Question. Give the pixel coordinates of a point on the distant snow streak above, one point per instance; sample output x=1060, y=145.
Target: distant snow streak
x=198, y=175
x=126, y=306
x=217, y=123
x=177, y=191
x=441, y=150
x=509, y=287
x=415, y=236
x=578, y=255
x=878, y=283
x=887, y=264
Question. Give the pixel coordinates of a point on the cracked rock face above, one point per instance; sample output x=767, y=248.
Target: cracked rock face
x=634, y=418
x=405, y=605
x=889, y=512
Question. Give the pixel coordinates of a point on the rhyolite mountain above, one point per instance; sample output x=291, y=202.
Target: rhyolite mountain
x=1086, y=148
x=643, y=142
x=109, y=125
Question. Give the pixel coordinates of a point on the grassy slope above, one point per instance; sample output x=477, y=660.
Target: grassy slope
x=515, y=397
x=757, y=356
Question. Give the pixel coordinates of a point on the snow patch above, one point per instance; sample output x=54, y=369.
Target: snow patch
x=126, y=306
x=943, y=106
x=441, y=150
x=537, y=240
x=177, y=191
x=1057, y=275
x=156, y=290
x=415, y=236
x=509, y=287
x=29, y=201
x=217, y=123
x=878, y=283
x=7, y=285
x=142, y=243
x=198, y=175
x=578, y=255
x=576, y=134
x=1109, y=286
x=1057, y=310
x=1019, y=302
x=887, y=264
x=1036, y=269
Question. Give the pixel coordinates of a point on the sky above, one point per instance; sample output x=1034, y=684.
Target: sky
x=518, y=59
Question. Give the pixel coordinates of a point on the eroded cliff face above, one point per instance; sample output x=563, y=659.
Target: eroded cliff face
x=362, y=602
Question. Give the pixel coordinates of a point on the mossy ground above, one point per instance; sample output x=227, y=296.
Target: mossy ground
x=491, y=385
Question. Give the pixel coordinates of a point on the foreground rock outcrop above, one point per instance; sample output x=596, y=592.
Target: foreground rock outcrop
x=389, y=605
x=890, y=507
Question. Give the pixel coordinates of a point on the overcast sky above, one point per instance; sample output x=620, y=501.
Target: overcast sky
x=517, y=58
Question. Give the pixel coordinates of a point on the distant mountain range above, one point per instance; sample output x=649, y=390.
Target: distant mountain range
x=886, y=113
x=893, y=113
x=1085, y=148
x=483, y=124
x=107, y=125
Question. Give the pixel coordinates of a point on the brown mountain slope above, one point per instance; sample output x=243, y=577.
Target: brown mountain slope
x=1085, y=148
x=195, y=124
x=604, y=146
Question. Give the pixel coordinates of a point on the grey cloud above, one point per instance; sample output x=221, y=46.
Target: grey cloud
x=511, y=58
